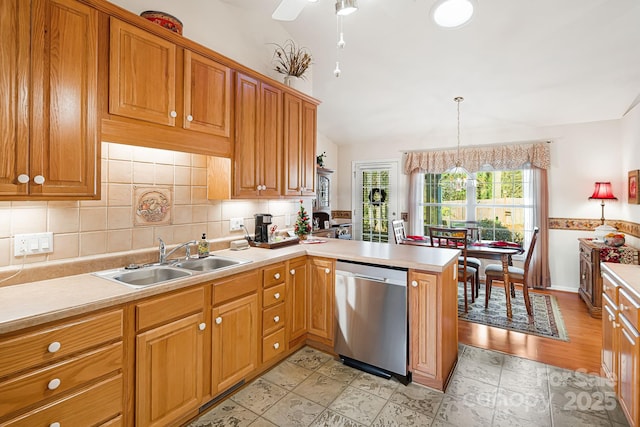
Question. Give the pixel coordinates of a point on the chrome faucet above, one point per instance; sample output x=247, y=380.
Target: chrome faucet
x=162, y=250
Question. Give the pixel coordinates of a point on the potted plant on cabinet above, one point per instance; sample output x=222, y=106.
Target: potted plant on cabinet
x=292, y=61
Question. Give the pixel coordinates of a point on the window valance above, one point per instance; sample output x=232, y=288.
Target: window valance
x=500, y=157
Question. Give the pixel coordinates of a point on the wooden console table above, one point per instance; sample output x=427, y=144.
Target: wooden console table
x=591, y=253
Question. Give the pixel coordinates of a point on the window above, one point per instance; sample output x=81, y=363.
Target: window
x=498, y=202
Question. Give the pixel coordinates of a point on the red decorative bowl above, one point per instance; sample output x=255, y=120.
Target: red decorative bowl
x=163, y=19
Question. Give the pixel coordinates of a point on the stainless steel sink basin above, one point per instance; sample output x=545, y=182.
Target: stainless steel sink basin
x=145, y=276
x=209, y=263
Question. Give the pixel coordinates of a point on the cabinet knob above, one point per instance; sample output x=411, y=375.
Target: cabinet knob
x=202, y=326
x=23, y=178
x=276, y=295
x=327, y=270
x=610, y=318
x=38, y=179
x=189, y=118
x=292, y=271
x=173, y=114
x=623, y=307
x=55, y=424
x=218, y=320
x=615, y=325
x=276, y=319
x=276, y=346
x=53, y=347
x=54, y=384
x=414, y=283
x=604, y=287
x=276, y=276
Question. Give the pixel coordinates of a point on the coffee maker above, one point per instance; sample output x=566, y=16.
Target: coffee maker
x=263, y=221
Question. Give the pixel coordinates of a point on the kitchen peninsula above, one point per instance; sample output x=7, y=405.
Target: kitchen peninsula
x=51, y=330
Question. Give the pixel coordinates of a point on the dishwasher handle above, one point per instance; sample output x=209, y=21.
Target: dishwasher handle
x=370, y=278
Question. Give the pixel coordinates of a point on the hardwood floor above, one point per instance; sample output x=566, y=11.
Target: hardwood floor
x=581, y=352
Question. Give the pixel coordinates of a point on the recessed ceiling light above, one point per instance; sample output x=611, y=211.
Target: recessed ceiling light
x=453, y=13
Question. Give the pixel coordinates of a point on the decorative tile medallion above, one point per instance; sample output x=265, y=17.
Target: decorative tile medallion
x=152, y=206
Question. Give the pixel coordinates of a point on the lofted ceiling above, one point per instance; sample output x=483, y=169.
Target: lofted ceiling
x=519, y=64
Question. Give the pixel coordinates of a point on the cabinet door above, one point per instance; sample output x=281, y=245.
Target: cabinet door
x=64, y=116
x=308, y=151
x=207, y=95
x=270, y=149
x=169, y=371
x=321, y=297
x=247, y=150
x=15, y=39
x=423, y=323
x=609, y=342
x=297, y=290
x=628, y=371
x=293, y=179
x=142, y=75
x=235, y=341
x=586, y=281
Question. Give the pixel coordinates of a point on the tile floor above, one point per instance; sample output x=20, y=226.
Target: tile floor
x=488, y=388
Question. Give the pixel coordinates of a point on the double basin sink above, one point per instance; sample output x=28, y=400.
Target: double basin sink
x=140, y=277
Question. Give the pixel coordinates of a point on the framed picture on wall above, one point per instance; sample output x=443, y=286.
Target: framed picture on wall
x=634, y=194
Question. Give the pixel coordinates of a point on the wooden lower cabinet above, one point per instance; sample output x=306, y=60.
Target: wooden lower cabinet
x=620, y=336
x=235, y=341
x=297, y=291
x=320, y=300
x=433, y=326
x=169, y=357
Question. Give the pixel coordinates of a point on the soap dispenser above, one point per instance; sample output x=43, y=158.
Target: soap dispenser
x=203, y=246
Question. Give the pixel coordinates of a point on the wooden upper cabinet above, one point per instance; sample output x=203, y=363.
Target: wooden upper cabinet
x=207, y=95
x=299, y=146
x=258, y=139
x=57, y=101
x=15, y=47
x=142, y=75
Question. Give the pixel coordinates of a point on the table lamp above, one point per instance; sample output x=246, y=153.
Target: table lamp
x=602, y=192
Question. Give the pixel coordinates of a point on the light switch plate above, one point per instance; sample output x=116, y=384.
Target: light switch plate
x=32, y=244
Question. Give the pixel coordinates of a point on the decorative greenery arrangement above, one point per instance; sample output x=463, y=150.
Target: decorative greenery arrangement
x=302, y=227
x=320, y=159
x=291, y=60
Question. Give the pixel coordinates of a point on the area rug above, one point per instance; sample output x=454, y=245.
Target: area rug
x=547, y=320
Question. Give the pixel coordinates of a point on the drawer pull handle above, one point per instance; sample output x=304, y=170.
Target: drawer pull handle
x=202, y=326
x=276, y=276
x=54, y=384
x=414, y=283
x=276, y=346
x=56, y=424
x=327, y=270
x=276, y=295
x=292, y=271
x=276, y=319
x=218, y=320
x=173, y=114
x=54, y=346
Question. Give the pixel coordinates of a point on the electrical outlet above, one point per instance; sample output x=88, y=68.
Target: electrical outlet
x=235, y=224
x=32, y=244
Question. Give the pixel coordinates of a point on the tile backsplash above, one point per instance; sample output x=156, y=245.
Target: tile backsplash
x=106, y=226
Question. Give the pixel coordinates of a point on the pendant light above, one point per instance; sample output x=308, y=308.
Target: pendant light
x=346, y=7
x=458, y=182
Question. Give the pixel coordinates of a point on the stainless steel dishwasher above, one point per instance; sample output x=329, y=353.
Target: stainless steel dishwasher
x=371, y=318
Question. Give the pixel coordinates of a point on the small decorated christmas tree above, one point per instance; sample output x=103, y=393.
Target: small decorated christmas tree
x=302, y=227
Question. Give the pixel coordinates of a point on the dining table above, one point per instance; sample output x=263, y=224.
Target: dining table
x=486, y=249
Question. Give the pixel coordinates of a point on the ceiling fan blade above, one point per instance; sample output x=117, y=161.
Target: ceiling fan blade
x=288, y=10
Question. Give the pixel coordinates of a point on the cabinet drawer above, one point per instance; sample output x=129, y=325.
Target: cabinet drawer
x=273, y=275
x=28, y=389
x=162, y=310
x=273, y=345
x=586, y=252
x=51, y=344
x=610, y=289
x=273, y=318
x=273, y=295
x=93, y=405
x=628, y=307
x=235, y=286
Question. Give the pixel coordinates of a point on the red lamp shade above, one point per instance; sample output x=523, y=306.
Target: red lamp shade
x=603, y=192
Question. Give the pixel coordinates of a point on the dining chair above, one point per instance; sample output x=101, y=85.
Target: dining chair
x=398, y=230
x=456, y=238
x=473, y=235
x=517, y=275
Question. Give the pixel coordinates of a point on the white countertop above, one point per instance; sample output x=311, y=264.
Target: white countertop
x=35, y=303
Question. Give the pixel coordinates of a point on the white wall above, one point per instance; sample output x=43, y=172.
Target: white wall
x=581, y=154
x=630, y=136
